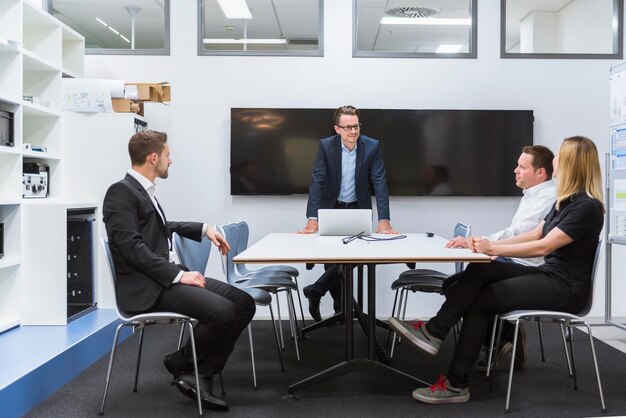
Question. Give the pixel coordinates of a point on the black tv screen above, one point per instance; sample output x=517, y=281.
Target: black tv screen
x=426, y=152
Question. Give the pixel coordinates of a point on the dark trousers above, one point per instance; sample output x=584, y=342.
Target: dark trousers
x=508, y=329
x=223, y=312
x=330, y=281
x=483, y=290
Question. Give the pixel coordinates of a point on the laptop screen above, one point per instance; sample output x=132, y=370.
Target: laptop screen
x=344, y=222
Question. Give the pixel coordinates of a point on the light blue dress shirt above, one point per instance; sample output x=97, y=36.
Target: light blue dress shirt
x=347, y=192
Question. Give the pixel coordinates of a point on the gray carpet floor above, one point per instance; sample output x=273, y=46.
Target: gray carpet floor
x=542, y=389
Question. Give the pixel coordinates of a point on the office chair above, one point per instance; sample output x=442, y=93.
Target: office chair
x=281, y=268
x=195, y=256
x=421, y=280
x=273, y=282
x=141, y=321
x=562, y=318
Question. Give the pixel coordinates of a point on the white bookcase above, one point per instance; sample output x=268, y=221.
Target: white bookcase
x=36, y=50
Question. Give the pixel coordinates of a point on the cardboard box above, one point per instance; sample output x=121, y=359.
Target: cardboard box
x=127, y=106
x=153, y=92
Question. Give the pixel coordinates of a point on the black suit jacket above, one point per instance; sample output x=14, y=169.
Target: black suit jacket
x=138, y=239
x=370, y=176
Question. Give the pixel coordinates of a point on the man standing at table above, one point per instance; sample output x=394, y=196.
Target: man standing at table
x=348, y=166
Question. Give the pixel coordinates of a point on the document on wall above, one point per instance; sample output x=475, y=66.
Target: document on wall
x=618, y=98
x=87, y=100
x=618, y=147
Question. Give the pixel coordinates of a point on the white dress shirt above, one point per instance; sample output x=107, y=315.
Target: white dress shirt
x=534, y=206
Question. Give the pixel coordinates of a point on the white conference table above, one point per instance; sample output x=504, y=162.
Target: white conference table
x=311, y=248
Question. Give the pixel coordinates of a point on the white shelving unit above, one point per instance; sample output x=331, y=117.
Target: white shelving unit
x=35, y=51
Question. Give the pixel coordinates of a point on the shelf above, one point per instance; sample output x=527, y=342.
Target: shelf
x=41, y=155
x=35, y=62
x=7, y=98
x=8, y=323
x=36, y=16
x=9, y=262
x=10, y=202
x=9, y=150
x=43, y=201
x=7, y=48
x=31, y=109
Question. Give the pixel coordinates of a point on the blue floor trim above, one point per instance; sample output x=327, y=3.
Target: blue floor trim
x=35, y=361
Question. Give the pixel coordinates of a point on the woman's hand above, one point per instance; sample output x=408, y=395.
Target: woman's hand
x=481, y=245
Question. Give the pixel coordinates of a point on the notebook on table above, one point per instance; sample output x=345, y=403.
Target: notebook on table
x=344, y=222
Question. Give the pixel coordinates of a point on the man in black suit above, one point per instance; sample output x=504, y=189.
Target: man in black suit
x=347, y=168
x=150, y=277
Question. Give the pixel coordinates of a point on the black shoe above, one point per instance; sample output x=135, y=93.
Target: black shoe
x=314, y=303
x=186, y=384
x=176, y=364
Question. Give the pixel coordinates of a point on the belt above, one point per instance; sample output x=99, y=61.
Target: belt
x=341, y=204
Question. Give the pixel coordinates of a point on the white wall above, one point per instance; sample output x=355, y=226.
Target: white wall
x=582, y=27
x=569, y=97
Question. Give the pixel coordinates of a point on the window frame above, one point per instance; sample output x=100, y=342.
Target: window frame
x=304, y=53
x=48, y=5
x=472, y=54
x=618, y=38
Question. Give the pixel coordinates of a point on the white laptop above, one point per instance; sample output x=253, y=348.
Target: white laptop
x=344, y=222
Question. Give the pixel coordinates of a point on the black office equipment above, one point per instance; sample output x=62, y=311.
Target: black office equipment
x=80, y=296
x=35, y=180
x=426, y=152
x=7, y=129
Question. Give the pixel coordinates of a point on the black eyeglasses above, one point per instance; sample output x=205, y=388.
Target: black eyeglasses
x=361, y=235
x=348, y=128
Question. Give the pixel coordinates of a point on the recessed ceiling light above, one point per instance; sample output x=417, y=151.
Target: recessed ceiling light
x=235, y=9
x=124, y=38
x=100, y=20
x=114, y=31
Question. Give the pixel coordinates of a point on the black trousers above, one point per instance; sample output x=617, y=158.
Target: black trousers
x=223, y=312
x=483, y=290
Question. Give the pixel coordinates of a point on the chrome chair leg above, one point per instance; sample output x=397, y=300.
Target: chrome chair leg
x=393, y=312
x=508, y=391
x=138, y=358
x=571, y=350
x=221, y=383
x=493, y=340
x=293, y=322
x=111, y=358
x=280, y=325
x=394, y=335
x=295, y=279
x=569, y=363
x=595, y=364
x=252, y=357
x=280, y=352
x=180, y=337
x=195, y=365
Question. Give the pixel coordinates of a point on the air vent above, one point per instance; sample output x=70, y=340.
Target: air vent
x=302, y=41
x=411, y=12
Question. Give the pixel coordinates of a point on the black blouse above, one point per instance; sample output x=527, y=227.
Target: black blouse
x=581, y=218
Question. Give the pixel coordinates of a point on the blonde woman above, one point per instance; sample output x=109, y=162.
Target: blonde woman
x=566, y=238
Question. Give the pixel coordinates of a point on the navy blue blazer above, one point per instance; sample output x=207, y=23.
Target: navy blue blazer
x=370, y=176
x=139, y=244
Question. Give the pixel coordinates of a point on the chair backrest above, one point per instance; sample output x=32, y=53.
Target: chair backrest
x=244, y=235
x=460, y=230
x=594, y=268
x=193, y=254
x=234, y=235
x=112, y=275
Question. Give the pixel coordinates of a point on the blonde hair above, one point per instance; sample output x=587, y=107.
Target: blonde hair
x=578, y=170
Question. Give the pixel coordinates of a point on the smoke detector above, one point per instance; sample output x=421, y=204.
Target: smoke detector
x=411, y=12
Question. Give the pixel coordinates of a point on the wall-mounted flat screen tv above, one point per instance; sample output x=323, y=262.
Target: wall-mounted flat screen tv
x=426, y=152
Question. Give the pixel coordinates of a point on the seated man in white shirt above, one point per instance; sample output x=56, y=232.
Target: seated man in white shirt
x=533, y=174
